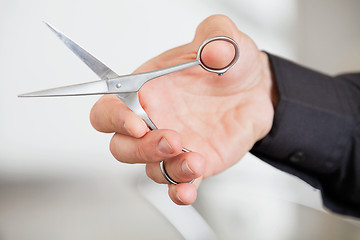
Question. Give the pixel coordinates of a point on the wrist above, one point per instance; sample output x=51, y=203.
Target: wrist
x=269, y=79
x=270, y=95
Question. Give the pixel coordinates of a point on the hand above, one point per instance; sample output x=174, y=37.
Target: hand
x=219, y=118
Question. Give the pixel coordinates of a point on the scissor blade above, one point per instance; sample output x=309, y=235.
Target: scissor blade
x=90, y=88
x=94, y=64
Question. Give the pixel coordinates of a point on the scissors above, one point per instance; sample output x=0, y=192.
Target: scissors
x=125, y=87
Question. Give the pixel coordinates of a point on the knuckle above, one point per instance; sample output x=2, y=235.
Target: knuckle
x=149, y=172
x=140, y=153
x=147, y=148
x=154, y=175
x=114, y=120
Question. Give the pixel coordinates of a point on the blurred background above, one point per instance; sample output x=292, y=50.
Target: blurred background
x=57, y=177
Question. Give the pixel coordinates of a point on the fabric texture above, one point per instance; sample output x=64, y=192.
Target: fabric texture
x=315, y=134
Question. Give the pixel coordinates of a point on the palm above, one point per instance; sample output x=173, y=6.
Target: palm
x=212, y=113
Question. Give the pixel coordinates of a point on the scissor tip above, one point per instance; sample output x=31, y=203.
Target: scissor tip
x=47, y=24
x=32, y=94
x=23, y=95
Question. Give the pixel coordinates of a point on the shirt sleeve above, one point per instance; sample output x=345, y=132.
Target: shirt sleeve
x=315, y=134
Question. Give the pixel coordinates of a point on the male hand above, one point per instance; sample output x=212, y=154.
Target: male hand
x=219, y=118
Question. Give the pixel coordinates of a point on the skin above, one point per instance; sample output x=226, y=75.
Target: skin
x=219, y=118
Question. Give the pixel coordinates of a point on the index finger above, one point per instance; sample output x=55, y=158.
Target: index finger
x=110, y=114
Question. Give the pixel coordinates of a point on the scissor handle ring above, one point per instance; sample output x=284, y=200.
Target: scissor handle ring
x=219, y=71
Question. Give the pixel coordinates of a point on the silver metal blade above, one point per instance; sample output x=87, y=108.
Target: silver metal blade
x=89, y=88
x=94, y=64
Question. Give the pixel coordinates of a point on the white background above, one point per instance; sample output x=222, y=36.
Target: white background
x=51, y=138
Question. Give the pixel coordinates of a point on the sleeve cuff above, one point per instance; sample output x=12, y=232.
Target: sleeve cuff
x=305, y=132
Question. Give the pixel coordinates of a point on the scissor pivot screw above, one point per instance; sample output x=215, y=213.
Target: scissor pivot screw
x=118, y=85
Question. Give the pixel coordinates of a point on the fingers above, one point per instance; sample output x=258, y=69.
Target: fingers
x=109, y=114
x=181, y=168
x=216, y=25
x=153, y=147
x=217, y=54
x=183, y=194
x=133, y=143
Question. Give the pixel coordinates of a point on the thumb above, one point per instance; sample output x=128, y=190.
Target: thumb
x=217, y=54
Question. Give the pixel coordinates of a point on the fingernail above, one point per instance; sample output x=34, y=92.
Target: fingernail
x=165, y=147
x=178, y=198
x=146, y=126
x=128, y=130
x=186, y=169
